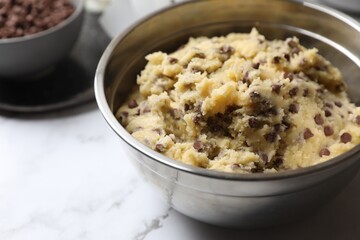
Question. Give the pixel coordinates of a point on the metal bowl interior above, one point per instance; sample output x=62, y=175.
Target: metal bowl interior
x=217, y=197
x=27, y=56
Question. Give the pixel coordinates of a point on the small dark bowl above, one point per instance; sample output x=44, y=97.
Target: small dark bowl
x=25, y=57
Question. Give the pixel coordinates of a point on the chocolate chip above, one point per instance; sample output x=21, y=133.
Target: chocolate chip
x=278, y=161
x=308, y=134
x=295, y=49
x=328, y=131
x=306, y=92
x=276, y=59
x=276, y=88
x=289, y=75
x=196, y=69
x=286, y=123
x=235, y=166
x=319, y=119
x=321, y=68
x=231, y=109
x=227, y=49
x=357, y=119
x=199, y=55
x=327, y=113
x=158, y=131
x=254, y=123
x=198, y=117
x=258, y=168
x=132, y=103
x=186, y=107
x=264, y=157
x=255, y=94
x=338, y=104
x=293, y=91
x=287, y=57
x=256, y=65
x=272, y=111
x=160, y=148
x=173, y=60
x=270, y=137
x=246, y=79
x=324, y=152
x=329, y=105
x=340, y=87
x=277, y=127
x=175, y=113
x=146, y=110
x=292, y=44
x=293, y=108
x=320, y=90
x=123, y=116
x=345, y=137
x=198, y=145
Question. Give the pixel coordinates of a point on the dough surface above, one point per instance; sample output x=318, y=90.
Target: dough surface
x=241, y=103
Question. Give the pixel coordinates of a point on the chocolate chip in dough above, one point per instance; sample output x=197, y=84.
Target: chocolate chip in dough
x=319, y=119
x=289, y=75
x=160, y=148
x=287, y=57
x=324, y=152
x=173, y=60
x=199, y=55
x=198, y=145
x=275, y=88
x=227, y=49
x=328, y=131
x=256, y=65
x=276, y=59
x=329, y=105
x=278, y=162
x=270, y=137
x=264, y=157
x=132, y=103
x=338, y=104
x=306, y=92
x=293, y=92
x=327, y=113
x=308, y=134
x=293, y=108
x=254, y=123
x=345, y=137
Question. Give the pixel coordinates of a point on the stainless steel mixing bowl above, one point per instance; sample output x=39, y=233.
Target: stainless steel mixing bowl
x=237, y=200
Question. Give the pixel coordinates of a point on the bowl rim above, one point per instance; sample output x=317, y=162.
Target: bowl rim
x=79, y=8
x=180, y=166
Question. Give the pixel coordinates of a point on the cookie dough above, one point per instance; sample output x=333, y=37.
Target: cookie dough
x=241, y=103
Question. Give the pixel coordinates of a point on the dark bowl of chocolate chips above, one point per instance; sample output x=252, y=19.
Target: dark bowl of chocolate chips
x=36, y=34
x=228, y=199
